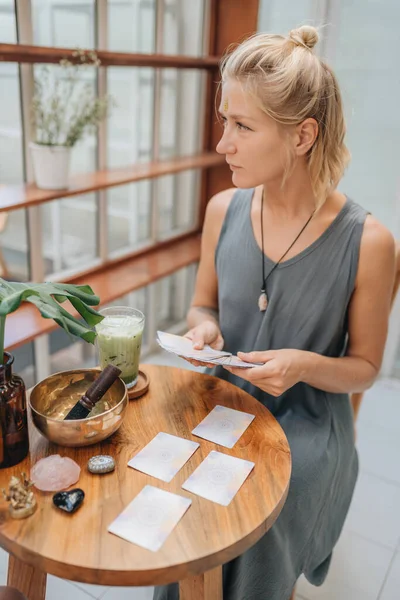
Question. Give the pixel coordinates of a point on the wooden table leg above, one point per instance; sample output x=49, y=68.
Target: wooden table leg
x=202, y=587
x=28, y=580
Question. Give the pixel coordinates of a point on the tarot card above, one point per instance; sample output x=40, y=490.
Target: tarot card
x=164, y=456
x=183, y=347
x=149, y=519
x=223, y=425
x=219, y=477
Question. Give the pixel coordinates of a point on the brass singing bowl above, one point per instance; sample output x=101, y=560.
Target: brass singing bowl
x=52, y=399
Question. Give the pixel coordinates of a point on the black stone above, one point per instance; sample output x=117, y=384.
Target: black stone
x=69, y=501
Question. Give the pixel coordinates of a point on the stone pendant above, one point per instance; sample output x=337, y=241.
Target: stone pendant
x=263, y=301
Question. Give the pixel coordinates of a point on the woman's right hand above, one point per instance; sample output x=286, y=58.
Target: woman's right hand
x=206, y=333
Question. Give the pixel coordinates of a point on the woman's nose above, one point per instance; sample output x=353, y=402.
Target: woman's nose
x=225, y=145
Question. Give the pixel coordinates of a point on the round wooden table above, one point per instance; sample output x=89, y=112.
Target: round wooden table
x=79, y=547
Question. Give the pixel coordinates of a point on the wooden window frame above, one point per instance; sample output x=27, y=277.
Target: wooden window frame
x=229, y=21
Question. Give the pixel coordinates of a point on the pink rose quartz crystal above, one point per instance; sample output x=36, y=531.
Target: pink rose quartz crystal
x=55, y=473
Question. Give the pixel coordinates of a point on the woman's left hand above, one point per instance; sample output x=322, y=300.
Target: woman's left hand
x=281, y=371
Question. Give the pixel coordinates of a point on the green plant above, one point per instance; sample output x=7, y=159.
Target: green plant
x=65, y=108
x=47, y=297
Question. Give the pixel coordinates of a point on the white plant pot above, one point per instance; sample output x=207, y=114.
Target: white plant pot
x=50, y=166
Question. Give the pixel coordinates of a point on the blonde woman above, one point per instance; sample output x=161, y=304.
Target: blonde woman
x=298, y=277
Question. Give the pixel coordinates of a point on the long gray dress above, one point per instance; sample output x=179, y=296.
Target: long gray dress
x=308, y=296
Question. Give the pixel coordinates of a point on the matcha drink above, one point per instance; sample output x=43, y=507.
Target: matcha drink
x=119, y=339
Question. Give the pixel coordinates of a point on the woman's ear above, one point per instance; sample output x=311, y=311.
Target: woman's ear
x=306, y=134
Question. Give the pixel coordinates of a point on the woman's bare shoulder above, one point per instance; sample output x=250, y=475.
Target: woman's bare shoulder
x=215, y=215
x=218, y=204
x=377, y=251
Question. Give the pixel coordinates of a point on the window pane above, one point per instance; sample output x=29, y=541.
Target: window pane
x=183, y=27
x=131, y=25
x=367, y=67
x=69, y=225
x=129, y=216
x=8, y=27
x=172, y=298
x=13, y=229
x=14, y=250
x=280, y=16
x=69, y=233
x=181, y=112
x=24, y=364
x=130, y=125
x=177, y=202
x=64, y=24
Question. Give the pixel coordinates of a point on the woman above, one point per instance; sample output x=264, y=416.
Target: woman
x=299, y=277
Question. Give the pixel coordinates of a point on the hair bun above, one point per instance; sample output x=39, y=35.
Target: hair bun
x=306, y=36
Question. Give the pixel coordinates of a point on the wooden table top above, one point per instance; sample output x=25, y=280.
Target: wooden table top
x=79, y=547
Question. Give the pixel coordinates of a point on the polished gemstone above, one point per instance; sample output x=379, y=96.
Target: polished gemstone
x=69, y=501
x=101, y=463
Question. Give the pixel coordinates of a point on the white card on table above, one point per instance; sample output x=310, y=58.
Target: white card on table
x=164, y=456
x=219, y=477
x=149, y=519
x=223, y=425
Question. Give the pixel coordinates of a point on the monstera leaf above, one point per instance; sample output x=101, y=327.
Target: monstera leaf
x=48, y=297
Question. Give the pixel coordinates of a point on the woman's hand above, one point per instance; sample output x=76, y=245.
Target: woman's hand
x=281, y=371
x=209, y=333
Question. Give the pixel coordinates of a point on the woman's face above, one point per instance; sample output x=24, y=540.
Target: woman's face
x=254, y=144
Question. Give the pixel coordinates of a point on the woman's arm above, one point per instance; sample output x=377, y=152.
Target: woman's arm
x=368, y=324
x=368, y=319
x=204, y=306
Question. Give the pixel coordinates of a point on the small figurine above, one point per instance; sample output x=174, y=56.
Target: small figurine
x=20, y=496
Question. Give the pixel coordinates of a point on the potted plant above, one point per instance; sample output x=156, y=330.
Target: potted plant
x=47, y=297
x=64, y=110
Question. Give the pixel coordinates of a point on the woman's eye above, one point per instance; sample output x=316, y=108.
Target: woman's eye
x=242, y=127
x=224, y=122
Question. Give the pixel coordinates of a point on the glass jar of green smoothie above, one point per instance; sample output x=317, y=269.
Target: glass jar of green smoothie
x=119, y=340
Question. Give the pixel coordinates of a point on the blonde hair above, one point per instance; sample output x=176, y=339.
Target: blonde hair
x=291, y=84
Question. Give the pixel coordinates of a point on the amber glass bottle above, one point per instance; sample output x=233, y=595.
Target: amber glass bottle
x=14, y=440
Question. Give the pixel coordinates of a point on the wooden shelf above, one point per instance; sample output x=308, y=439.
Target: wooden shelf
x=114, y=281
x=22, y=53
x=13, y=197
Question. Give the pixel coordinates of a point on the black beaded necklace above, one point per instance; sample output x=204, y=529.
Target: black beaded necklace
x=263, y=299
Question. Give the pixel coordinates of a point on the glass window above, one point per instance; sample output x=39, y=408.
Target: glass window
x=366, y=63
x=280, y=16
x=183, y=27
x=24, y=364
x=129, y=217
x=69, y=234
x=70, y=224
x=131, y=25
x=130, y=125
x=177, y=202
x=14, y=248
x=64, y=24
x=172, y=296
x=13, y=230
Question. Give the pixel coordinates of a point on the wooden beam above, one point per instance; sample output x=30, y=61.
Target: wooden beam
x=110, y=283
x=18, y=196
x=22, y=53
x=232, y=21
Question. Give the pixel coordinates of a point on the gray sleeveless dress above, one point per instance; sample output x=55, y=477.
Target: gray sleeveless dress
x=308, y=297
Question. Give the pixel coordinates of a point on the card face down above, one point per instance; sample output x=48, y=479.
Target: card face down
x=219, y=477
x=164, y=456
x=223, y=425
x=149, y=519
